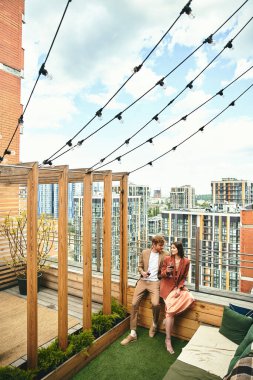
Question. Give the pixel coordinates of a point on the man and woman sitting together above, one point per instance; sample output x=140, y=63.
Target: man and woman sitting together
x=162, y=275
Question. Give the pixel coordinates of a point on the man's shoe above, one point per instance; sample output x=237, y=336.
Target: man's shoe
x=152, y=331
x=128, y=339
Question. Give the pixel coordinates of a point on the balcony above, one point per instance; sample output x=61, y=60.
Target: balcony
x=72, y=292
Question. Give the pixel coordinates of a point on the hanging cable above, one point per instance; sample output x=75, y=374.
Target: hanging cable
x=189, y=85
x=193, y=134
x=42, y=71
x=151, y=139
x=187, y=10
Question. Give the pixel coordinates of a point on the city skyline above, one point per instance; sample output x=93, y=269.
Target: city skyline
x=89, y=64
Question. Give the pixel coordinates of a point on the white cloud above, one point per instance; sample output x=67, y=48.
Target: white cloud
x=97, y=47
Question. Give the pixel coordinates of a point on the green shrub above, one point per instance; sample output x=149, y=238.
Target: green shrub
x=50, y=357
x=79, y=342
x=102, y=323
x=12, y=373
x=119, y=309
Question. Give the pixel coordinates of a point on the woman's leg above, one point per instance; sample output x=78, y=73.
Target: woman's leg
x=169, y=321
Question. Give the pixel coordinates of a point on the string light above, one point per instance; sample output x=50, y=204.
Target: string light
x=194, y=133
x=151, y=141
x=156, y=118
x=187, y=9
x=69, y=143
x=220, y=93
x=9, y=152
x=229, y=45
x=184, y=117
x=136, y=69
x=194, y=110
x=119, y=117
x=190, y=85
x=161, y=83
x=21, y=124
x=150, y=163
x=209, y=40
x=42, y=71
x=99, y=113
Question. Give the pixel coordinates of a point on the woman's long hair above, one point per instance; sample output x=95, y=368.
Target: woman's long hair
x=180, y=248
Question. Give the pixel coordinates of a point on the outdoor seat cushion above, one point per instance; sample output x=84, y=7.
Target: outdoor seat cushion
x=234, y=326
x=209, y=350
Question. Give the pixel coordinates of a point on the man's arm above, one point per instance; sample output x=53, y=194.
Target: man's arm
x=141, y=263
x=141, y=266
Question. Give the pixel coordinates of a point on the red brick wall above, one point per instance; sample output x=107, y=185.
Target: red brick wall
x=11, y=52
x=11, y=55
x=246, y=244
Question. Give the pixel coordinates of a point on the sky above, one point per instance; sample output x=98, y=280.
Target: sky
x=96, y=49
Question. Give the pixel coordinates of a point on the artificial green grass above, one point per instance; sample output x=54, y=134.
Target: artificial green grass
x=145, y=359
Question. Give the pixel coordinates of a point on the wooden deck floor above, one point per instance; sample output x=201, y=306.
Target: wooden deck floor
x=13, y=316
x=49, y=298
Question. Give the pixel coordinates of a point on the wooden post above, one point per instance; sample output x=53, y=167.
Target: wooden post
x=107, y=230
x=32, y=282
x=197, y=260
x=63, y=260
x=87, y=250
x=98, y=234
x=123, y=239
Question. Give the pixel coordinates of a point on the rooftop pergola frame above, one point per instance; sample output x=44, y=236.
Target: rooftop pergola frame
x=31, y=175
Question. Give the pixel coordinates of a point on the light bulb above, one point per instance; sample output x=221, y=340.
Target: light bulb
x=49, y=76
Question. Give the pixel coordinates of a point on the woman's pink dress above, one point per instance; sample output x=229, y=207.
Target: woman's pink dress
x=170, y=283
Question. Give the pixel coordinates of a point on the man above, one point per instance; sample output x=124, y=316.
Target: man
x=149, y=267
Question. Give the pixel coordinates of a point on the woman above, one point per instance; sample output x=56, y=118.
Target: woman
x=176, y=296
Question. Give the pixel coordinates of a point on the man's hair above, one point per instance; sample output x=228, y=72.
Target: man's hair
x=158, y=239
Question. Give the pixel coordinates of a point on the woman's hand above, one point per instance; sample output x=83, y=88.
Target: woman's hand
x=169, y=269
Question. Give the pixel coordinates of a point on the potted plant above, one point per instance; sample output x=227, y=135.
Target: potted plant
x=15, y=230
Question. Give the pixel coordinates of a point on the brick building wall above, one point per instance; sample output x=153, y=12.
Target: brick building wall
x=11, y=72
x=246, y=244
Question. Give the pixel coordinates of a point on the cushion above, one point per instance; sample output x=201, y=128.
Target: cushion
x=243, y=349
x=243, y=370
x=208, y=350
x=234, y=326
x=241, y=310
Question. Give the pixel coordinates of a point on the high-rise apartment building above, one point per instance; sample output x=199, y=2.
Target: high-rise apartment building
x=182, y=197
x=137, y=225
x=11, y=73
x=231, y=190
x=48, y=200
x=157, y=193
x=154, y=226
x=246, y=243
x=219, y=245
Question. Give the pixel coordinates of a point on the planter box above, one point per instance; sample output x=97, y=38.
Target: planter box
x=73, y=365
